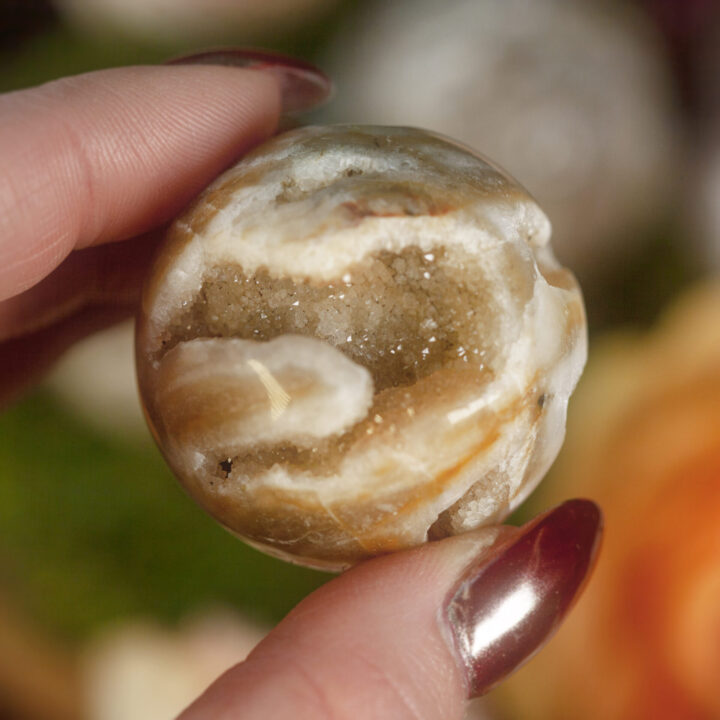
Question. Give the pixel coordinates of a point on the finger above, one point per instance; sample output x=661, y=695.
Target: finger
x=108, y=155
x=92, y=289
x=105, y=276
x=25, y=359
x=413, y=634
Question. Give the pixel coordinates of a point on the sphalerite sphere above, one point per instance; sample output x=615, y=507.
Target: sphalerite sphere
x=358, y=339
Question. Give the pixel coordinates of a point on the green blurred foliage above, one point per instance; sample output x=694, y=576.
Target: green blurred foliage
x=93, y=530
x=635, y=292
x=63, y=50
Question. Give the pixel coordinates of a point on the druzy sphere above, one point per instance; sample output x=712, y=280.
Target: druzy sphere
x=358, y=339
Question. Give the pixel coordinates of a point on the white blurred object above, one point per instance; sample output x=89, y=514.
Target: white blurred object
x=144, y=672
x=192, y=19
x=96, y=379
x=571, y=98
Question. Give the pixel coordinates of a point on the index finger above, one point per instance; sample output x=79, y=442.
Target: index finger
x=110, y=154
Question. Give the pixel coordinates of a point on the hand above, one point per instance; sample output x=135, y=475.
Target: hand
x=91, y=160
x=92, y=167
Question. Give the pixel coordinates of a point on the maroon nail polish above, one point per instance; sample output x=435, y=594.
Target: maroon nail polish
x=302, y=85
x=508, y=605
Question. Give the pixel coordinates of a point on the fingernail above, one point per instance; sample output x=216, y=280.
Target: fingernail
x=302, y=85
x=509, y=603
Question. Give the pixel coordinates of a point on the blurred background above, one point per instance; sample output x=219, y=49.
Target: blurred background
x=120, y=600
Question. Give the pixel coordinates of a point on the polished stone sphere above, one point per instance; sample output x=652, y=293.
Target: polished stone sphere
x=358, y=339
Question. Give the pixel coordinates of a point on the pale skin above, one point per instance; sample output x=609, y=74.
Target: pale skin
x=92, y=168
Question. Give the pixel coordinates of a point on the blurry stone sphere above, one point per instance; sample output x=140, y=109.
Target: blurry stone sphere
x=572, y=98
x=193, y=19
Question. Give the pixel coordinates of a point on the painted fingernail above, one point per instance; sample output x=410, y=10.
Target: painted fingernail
x=511, y=602
x=302, y=85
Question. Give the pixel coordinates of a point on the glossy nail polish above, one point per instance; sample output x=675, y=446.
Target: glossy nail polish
x=509, y=604
x=302, y=85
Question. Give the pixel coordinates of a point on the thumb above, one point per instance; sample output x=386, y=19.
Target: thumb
x=412, y=635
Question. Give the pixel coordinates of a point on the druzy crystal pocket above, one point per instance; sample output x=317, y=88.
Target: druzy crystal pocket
x=358, y=339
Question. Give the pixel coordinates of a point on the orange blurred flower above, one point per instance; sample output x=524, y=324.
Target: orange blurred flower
x=644, y=441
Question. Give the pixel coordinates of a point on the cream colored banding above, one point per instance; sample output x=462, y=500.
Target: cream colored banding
x=324, y=222
x=230, y=395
